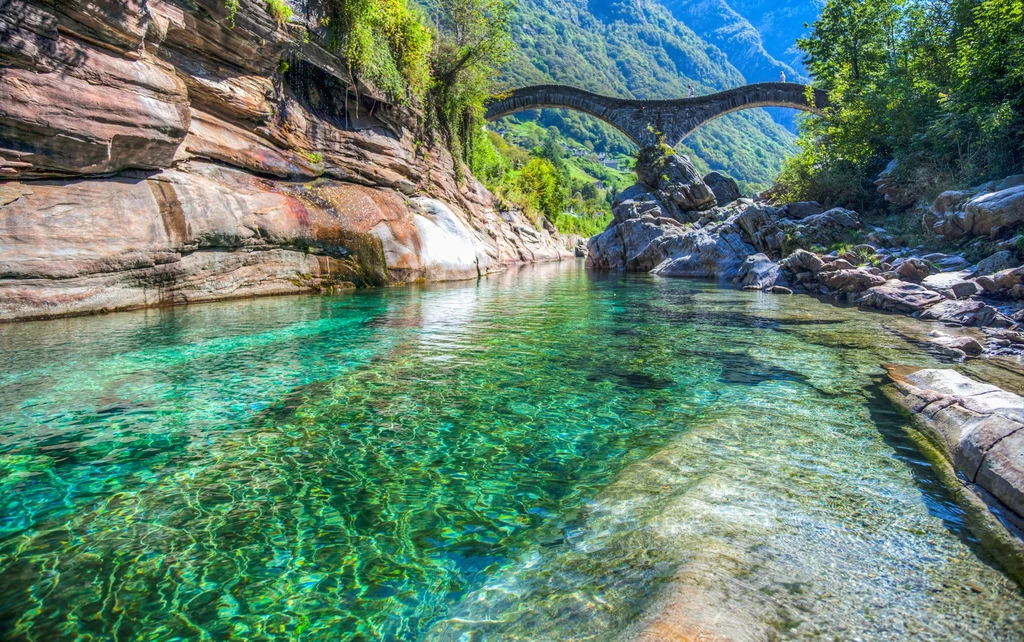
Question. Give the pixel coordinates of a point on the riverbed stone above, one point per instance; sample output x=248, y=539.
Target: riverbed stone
x=803, y=261
x=913, y=270
x=724, y=187
x=899, y=296
x=758, y=272
x=849, y=280
x=964, y=289
x=801, y=210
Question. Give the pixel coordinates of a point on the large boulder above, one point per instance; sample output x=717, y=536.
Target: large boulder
x=638, y=218
x=899, y=296
x=762, y=225
x=890, y=187
x=999, y=261
x=803, y=261
x=698, y=253
x=989, y=209
x=801, y=210
x=979, y=426
x=828, y=227
x=723, y=187
x=1001, y=282
x=913, y=270
x=997, y=210
x=969, y=312
x=846, y=281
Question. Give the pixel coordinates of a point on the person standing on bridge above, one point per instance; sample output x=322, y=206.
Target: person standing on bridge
x=691, y=90
x=782, y=75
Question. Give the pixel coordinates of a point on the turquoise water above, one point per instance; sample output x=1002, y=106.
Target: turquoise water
x=543, y=455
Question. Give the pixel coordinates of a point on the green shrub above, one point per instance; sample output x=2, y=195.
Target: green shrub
x=279, y=11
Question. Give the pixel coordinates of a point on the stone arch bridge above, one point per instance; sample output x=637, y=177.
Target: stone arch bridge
x=676, y=119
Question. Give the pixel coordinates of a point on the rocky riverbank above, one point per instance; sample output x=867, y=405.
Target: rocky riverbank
x=158, y=153
x=672, y=224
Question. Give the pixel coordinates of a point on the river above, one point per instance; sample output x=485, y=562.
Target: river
x=545, y=454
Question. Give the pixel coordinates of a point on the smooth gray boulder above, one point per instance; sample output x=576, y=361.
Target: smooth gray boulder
x=801, y=210
x=698, y=253
x=723, y=187
x=803, y=261
x=983, y=210
x=853, y=280
x=759, y=273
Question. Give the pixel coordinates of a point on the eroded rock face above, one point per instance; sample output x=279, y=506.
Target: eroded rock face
x=174, y=228
x=181, y=165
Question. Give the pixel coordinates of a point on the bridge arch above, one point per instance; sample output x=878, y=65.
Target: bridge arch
x=676, y=119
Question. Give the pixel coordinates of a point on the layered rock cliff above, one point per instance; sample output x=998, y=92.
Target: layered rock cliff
x=165, y=151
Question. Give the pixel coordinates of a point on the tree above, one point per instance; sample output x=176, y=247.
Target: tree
x=937, y=85
x=544, y=187
x=472, y=38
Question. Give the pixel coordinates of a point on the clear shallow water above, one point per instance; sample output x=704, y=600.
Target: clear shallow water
x=545, y=455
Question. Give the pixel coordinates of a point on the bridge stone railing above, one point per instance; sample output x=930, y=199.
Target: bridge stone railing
x=676, y=119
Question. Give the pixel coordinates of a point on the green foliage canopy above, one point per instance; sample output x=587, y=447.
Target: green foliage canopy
x=936, y=84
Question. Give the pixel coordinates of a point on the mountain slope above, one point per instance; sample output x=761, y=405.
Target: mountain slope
x=639, y=49
x=780, y=23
